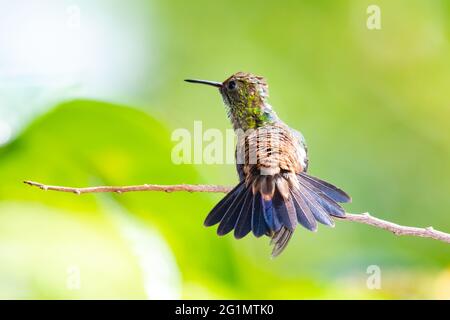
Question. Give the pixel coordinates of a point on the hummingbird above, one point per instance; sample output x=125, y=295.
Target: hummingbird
x=274, y=193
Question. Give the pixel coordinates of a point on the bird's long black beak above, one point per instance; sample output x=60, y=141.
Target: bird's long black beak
x=209, y=83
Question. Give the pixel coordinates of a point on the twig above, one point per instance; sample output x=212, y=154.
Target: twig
x=143, y=187
x=364, y=218
x=397, y=229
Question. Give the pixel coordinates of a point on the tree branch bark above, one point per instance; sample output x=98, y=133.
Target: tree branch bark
x=364, y=218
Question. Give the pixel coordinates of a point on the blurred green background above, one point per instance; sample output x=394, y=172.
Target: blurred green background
x=90, y=92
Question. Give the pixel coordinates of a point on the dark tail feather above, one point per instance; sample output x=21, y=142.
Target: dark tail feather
x=259, y=225
x=326, y=201
x=307, y=202
x=316, y=209
x=232, y=214
x=305, y=215
x=284, y=214
x=273, y=205
x=284, y=210
x=218, y=212
x=271, y=219
x=324, y=187
x=244, y=223
x=280, y=240
x=321, y=198
x=242, y=211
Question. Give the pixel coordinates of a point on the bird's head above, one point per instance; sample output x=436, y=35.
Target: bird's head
x=245, y=95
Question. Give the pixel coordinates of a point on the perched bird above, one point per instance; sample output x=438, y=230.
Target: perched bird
x=275, y=192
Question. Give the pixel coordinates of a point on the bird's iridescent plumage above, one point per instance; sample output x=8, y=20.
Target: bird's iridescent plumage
x=274, y=193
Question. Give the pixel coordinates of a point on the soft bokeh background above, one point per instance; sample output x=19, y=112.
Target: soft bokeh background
x=90, y=92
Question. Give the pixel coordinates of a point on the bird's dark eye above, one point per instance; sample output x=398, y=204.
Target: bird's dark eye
x=231, y=85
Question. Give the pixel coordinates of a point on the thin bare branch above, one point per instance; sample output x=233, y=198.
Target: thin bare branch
x=143, y=187
x=397, y=229
x=364, y=218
